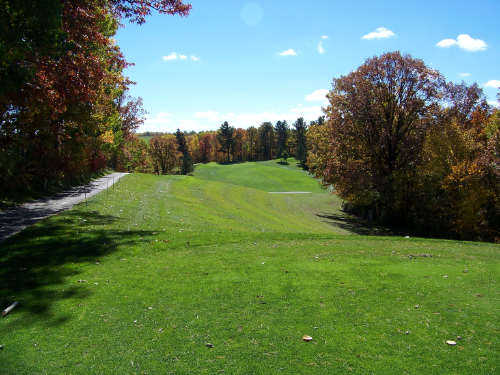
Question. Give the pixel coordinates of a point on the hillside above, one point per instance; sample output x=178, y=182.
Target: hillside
x=210, y=274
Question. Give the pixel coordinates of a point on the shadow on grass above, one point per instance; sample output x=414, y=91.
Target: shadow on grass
x=37, y=260
x=356, y=225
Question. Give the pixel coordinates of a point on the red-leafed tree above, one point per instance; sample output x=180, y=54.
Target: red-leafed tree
x=61, y=84
x=377, y=119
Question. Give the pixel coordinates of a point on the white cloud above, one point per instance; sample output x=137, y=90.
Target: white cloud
x=211, y=119
x=208, y=115
x=465, y=42
x=379, y=33
x=445, y=43
x=495, y=83
x=324, y=36
x=309, y=113
x=179, y=56
x=494, y=103
x=464, y=74
x=172, y=56
x=288, y=52
x=317, y=96
x=321, y=49
x=156, y=123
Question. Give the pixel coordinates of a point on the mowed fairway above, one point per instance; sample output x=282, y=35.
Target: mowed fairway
x=211, y=274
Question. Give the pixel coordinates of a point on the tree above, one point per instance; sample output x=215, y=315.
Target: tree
x=282, y=132
x=238, y=144
x=252, y=143
x=225, y=137
x=378, y=116
x=301, y=148
x=205, y=148
x=318, y=147
x=456, y=188
x=61, y=74
x=266, y=141
x=164, y=154
x=187, y=160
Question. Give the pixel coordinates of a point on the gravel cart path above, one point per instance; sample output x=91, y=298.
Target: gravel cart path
x=16, y=219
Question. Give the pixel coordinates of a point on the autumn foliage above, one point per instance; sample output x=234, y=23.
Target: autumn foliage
x=64, y=113
x=405, y=147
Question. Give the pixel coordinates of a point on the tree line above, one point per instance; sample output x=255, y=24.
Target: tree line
x=176, y=153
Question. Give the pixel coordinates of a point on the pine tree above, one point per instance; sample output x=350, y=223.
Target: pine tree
x=301, y=149
x=187, y=160
x=282, y=132
x=225, y=137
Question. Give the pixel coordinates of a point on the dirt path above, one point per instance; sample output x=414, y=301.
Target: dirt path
x=16, y=219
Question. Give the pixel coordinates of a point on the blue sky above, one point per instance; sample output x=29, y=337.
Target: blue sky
x=252, y=61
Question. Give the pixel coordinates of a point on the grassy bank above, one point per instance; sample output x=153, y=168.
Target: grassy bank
x=145, y=276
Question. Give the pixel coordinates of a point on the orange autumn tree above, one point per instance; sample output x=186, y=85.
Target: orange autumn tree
x=62, y=77
x=377, y=118
x=405, y=147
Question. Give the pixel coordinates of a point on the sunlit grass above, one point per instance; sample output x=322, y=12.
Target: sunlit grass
x=142, y=278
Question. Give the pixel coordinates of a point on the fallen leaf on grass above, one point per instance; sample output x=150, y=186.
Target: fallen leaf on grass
x=451, y=342
x=307, y=338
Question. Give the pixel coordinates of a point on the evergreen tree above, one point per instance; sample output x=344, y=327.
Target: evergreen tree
x=266, y=141
x=282, y=133
x=225, y=137
x=252, y=142
x=187, y=160
x=301, y=149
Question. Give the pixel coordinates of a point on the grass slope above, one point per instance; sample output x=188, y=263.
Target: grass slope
x=266, y=175
x=143, y=277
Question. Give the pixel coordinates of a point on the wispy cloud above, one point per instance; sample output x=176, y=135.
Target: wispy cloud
x=207, y=115
x=317, y=96
x=465, y=42
x=172, y=56
x=495, y=83
x=179, y=56
x=324, y=36
x=321, y=49
x=159, y=122
x=211, y=119
x=464, y=74
x=379, y=33
x=288, y=52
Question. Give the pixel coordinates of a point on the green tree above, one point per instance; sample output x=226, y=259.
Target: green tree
x=301, y=148
x=266, y=141
x=252, y=142
x=187, y=160
x=225, y=136
x=282, y=133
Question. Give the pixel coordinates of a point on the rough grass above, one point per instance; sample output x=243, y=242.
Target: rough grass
x=143, y=277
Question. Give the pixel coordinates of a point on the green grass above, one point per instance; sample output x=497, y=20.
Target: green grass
x=143, y=277
x=146, y=138
x=267, y=176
